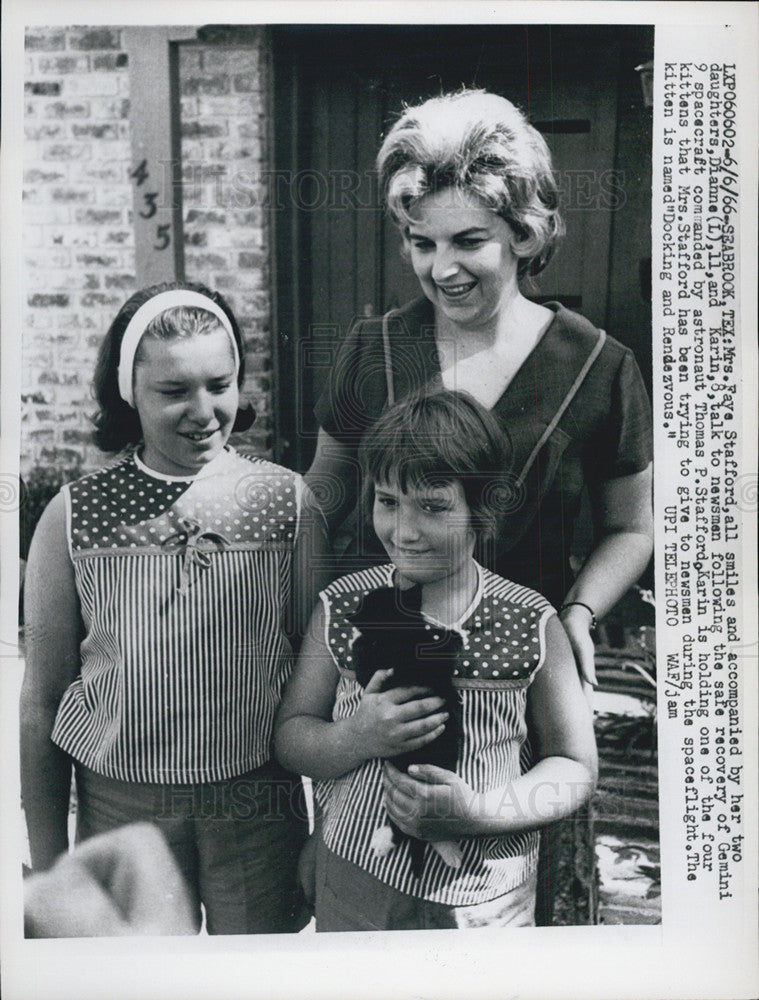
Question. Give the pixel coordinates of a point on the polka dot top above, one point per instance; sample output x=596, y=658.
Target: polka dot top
x=127, y=506
x=503, y=647
x=501, y=637
x=184, y=587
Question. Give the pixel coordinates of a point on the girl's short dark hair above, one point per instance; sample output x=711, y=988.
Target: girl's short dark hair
x=480, y=144
x=117, y=424
x=436, y=437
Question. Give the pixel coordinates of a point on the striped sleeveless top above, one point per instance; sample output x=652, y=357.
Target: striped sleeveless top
x=184, y=586
x=504, y=646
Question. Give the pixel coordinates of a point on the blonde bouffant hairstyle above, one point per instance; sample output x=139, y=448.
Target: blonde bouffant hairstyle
x=480, y=144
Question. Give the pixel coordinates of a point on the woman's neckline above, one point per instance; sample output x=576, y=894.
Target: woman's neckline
x=421, y=318
x=553, y=307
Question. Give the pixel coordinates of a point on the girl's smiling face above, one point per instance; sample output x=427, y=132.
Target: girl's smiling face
x=426, y=530
x=186, y=396
x=462, y=253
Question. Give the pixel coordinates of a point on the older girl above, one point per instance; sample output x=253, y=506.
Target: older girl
x=163, y=593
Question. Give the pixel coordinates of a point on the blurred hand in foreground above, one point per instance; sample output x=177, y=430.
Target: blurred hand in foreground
x=125, y=882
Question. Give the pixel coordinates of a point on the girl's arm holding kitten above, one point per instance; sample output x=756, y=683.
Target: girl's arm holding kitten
x=434, y=804
x=386, y=723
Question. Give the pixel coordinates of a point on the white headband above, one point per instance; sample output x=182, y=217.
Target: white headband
x=147, y=313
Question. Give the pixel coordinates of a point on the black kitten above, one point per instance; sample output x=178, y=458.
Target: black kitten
x=393, y=633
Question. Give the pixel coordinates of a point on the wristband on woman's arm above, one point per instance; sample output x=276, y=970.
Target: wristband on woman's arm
x=581, y=604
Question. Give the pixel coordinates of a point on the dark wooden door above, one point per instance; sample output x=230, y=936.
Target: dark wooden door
x=337, y=90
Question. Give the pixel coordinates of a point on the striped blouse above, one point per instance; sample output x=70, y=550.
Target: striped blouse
x=184, y=587
x=504, y=646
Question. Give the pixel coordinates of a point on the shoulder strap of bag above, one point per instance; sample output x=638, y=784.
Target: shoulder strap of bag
x=564, y=404
x=388, y=358
x=597, y=347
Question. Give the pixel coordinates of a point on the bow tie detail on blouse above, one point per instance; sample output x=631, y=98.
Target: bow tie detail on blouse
x=197, y=545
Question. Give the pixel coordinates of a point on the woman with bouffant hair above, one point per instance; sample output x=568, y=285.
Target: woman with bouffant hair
x=493, y=154
x=469, y=183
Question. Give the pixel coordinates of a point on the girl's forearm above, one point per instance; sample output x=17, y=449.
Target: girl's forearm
x=45, y=788
x=317, y=748
x=556, y=787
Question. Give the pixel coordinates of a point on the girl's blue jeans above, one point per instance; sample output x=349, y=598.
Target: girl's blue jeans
x=236, y=841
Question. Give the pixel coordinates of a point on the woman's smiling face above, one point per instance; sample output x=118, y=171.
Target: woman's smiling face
x=462, y=253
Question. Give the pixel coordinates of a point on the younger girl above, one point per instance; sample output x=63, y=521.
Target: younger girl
x=162, y=592
x=526, y=752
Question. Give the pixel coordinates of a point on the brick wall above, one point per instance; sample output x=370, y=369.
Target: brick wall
x=223, y=100
x=78, y=242
x=78, y=236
